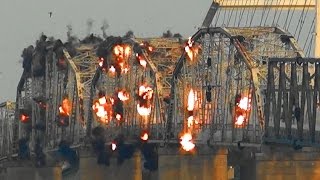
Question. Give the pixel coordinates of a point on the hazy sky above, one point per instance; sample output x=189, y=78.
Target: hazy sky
x=22, y=21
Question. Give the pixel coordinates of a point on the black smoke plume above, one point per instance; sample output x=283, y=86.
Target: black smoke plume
x=39, y=57
x=91, y=39
x=104, y=27
x=27, y=58
x=167, y=34
x=58, y=48
x=129, y=34
x=70, y=46
x=89, y=25
x=177, y=35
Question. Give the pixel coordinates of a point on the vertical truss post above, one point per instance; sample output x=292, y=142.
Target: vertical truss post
x=317, y=30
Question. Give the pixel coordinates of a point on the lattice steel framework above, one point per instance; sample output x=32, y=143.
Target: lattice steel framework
x=160, y=64
x=231, y=62
x=6, y=122
x=292, y=109
x=41, y=95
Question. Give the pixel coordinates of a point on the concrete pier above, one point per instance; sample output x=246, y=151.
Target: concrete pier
x=288, y=165
x=281, y=164
x=90, y=170
x=26, y=173
x=200, y=165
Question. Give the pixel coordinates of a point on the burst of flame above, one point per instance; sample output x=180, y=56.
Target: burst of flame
x=112, y=101
x=240, y=120
x=143, y=111
x=112, y=70
x=190, y=121
x=191, y=100
x=123, y=95
x=186, y=142
x=24, y=118
x=245, y=103
x=143, y=63
x=125, y=70
x=145, y=92
x=191, y=51
x=65, y=108
x=127, y=51
x=150, y=48
x=102, y=100
x=147, y=46
x=122, y=52
x=101, y=62
x=118, y=117
x=103, y=109
x=141, y=60
x=118, y=50
x=243, y=108
x=113, y=146
x=145, y=136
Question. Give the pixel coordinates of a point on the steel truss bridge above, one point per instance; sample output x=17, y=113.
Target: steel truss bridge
x=219, y=65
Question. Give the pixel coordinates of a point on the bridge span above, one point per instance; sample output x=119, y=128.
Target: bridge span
x=227, y=103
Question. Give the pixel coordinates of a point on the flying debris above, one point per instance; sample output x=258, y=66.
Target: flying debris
x=50, y=14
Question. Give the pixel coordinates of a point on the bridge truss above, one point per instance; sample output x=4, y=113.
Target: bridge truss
x=6, y=121
x=150, y=64
x=231, y=65
x=220, y=86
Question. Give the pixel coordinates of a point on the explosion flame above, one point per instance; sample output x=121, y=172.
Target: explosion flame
x=242, y=110
x=191, y=50
x=65, y=108
x=145, y=94
x=186, y=142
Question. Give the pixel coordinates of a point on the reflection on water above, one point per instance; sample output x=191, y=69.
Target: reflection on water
x=32, y=173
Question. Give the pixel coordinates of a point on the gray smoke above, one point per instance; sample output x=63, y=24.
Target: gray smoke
x=104, y=27
x=73, y=40
x=129, y=34
x=69, y=32
x=89, y=26
x=167, y=34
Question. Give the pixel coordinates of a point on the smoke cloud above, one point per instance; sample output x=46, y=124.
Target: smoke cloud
x=129, y=34
x=104, y=27
x=89, y=25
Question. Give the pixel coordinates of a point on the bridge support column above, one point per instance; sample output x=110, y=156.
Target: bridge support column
x=18, y=172
x=220, y=165
x=129, y=170
x=202, y=165
x=285, y=165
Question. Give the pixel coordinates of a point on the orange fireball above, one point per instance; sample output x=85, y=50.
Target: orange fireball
x=186, y=142
x=65, y=108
